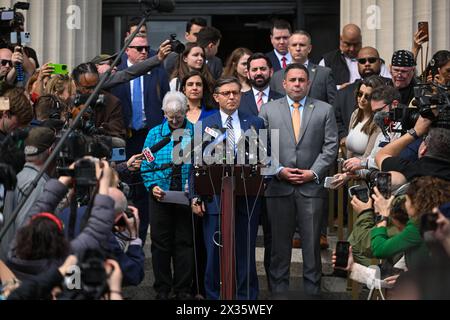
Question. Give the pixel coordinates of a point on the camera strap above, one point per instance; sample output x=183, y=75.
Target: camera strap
x=72, y=218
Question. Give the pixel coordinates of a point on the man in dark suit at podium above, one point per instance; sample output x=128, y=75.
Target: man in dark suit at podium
x=227, y=93
x=260, y=72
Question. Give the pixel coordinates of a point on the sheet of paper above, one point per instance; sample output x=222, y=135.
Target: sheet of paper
x=176, y=197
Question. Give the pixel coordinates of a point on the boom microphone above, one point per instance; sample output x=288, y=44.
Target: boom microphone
x=159, y=5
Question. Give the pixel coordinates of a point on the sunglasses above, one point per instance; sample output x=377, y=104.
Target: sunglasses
x=140, y=48
x=364, y=60
x=361, y=94
x=6, y=62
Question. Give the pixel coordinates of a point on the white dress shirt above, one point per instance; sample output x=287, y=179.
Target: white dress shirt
x=280, y=56
x=265, y=96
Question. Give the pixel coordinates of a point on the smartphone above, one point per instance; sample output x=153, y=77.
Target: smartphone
x=423, y=26
x=118, y=155
x=328, y=182
x=361, y=192
x=384, y=184
x=59, y=68
x=342, y=252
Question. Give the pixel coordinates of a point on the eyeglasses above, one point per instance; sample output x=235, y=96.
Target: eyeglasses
x=364, y=60
x=228, y=93
x=6, y=62
x=140, y=48
x=361, y=94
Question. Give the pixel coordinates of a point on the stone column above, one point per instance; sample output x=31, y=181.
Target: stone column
x=390, y=25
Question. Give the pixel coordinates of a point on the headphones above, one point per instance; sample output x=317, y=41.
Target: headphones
x=56, y=107
x=50, y=216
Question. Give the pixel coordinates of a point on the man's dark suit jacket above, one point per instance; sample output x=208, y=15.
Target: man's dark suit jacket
x=156, y=85
x=215, y=66
x=274, y=59
x=248, y=102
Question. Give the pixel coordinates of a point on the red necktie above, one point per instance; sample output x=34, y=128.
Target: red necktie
x=260, y=101
x=284, y=62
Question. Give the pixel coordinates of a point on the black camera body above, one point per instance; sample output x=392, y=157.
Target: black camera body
x=81, y=99
x=84, y=173
x=176, y=46
x=429, y=99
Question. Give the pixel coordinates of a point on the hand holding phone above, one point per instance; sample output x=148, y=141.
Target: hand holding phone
x=423, y=29
x=361, y=192
x=59, y=68
x=384, y=184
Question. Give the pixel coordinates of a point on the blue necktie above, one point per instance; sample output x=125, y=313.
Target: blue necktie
x=137, y=104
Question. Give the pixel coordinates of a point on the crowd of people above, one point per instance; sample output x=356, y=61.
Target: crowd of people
x=96, y=212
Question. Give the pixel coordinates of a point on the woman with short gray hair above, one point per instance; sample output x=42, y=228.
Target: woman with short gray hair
x=170, y=223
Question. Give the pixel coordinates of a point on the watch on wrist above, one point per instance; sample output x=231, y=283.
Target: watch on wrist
x=380, y=218
x=413, y=133
x=363, y=163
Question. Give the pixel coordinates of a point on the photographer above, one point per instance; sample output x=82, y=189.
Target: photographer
x=49, y=283
x=434, y=154
x=422, y=195
x=107, y=115
x=38, y=147
x=103, y=63
x=41, y=243
x=19, y=115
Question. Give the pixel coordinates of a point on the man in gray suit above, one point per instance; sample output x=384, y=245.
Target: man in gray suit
x=323, y=86
x=296, y=196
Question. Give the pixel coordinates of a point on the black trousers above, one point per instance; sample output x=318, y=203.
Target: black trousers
x=172, y=243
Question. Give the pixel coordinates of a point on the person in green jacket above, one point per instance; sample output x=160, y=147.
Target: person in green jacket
x=423, y=194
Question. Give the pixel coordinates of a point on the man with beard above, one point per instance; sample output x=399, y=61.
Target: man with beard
x=369, y=63
x=403, y=69
x=260, y=71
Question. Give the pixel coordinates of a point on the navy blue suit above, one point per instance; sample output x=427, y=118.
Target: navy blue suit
x=248, y=102
x=156, y=85
x=211, y=225
x=274, y=59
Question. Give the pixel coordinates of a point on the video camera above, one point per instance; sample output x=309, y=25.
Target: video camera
x=11, y=22
x=432, y=101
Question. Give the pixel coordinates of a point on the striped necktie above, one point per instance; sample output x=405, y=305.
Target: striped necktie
x=231, y=143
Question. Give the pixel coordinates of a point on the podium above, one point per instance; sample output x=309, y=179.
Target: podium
x=228, y=181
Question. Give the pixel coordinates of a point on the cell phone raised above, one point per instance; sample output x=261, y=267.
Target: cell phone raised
x=384, y=184
x=423, y=27
x=342, y=252
x=361, y=192
x=59, y=68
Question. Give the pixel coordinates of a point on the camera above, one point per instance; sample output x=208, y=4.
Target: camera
x=175, y=45
x=93, y=277
x=12, y=22
x=361, y=192
x=121, y=222
x=432, y=101
x=81, y=99
x=84, y=173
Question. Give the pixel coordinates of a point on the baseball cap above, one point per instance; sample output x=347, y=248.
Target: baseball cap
x=39, y=139
x=103, y=57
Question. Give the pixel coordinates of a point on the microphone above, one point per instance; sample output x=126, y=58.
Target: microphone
x=161, y=144
x=159, y=5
